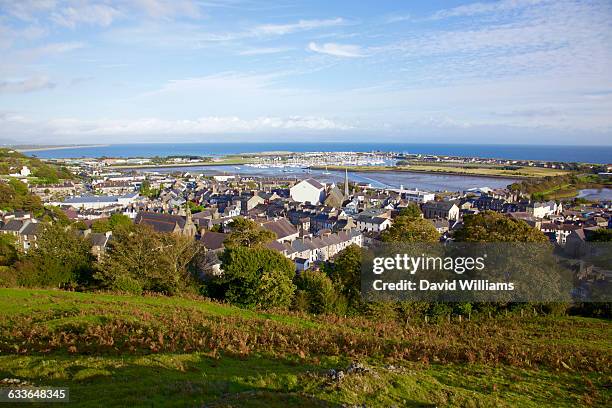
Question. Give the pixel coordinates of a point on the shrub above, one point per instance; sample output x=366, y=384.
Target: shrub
x=317, y=290
x=247, y=272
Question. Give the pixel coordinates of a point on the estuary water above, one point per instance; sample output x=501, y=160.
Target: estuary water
x=587, y=154
x=382, y=179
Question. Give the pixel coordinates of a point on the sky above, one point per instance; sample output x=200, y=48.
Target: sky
x=126, y=71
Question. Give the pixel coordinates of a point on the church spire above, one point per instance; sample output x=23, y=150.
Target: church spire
x=346, y=186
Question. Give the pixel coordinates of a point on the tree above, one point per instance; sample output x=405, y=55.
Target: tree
x=345, y=273
x=8, y=250
x=245, y=232
x=408, y=228
x=411, y=211
x=147, y=191
x=194, y=208
x=490, y=226
x=55, y=215
x=256, y=277
x=60, y=258
x=141, y=259
x=318, y=292
x=600, y=235
x=113, y=223
x=14, y=195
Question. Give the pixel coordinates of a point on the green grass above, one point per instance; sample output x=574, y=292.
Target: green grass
x=197, y=378
x=461, y=169
x=256, y=359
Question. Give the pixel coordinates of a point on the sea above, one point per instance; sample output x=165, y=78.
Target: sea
x=587, y=154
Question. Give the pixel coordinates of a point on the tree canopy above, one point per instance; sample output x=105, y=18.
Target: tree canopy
x=141, y=259
x=61, y=257
x=490, y=226
x=256, y=277
x=113, y=223
x=245, y=232
x=410, y=228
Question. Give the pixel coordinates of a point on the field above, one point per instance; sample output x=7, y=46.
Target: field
x=462, y=169
x=113, y=350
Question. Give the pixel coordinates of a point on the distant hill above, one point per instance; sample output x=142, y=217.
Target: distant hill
x=12, y=161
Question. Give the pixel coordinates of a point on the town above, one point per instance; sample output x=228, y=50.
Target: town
x=312, y=221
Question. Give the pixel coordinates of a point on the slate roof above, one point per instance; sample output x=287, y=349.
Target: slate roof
x=30, y=229
x=314, y=183
x=213, y=240
x=311, y=244
x=281, y=227
x=160, y=222
x=439, y=205
x=13, y=225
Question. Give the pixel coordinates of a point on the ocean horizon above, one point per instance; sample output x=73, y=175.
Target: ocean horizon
x=561, y=153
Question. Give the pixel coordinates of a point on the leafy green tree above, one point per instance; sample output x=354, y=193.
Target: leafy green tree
x=61, y=258
x=8, y=250
x=194, y=208
x=275, y=290
x=14, y=195
x=490, y=226
x=319, y=294
x=410, y=229
x=412, y=211
x=248, y=273
x=245, y=232
x=55, y=215
x=113, y=223
x=140, y=259
x=345, y=273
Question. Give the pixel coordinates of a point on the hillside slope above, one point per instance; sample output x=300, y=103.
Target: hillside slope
x=116, y=350
x=12, y=161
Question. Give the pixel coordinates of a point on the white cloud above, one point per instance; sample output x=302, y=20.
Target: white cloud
x=338, y=50
x=91, y=14
x=398, y=18
x=166, y=9
x=30, y=54
x=265, y=50
x=484, y=8
x=70, y=127
x=302, y=25
x=26, y=85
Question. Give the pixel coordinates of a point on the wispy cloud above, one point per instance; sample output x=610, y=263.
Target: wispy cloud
x=72, y=13
x=26, y=85
x=337, y=50
x=484, y=8
x=114, y=129
x=397, y=18
x=30, y=54
x=265, y=50
x=301, y=25
x=90, y=14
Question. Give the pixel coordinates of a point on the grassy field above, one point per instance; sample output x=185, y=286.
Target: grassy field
x=116, y=350
x=463, y=169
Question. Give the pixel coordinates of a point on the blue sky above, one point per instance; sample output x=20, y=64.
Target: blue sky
x=509, y=71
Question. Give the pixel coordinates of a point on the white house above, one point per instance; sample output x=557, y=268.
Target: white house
x=24, y=172
x=224, y=177
x=308, y=191
x=372, y=223
x=416, y=196
x=542, y=210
